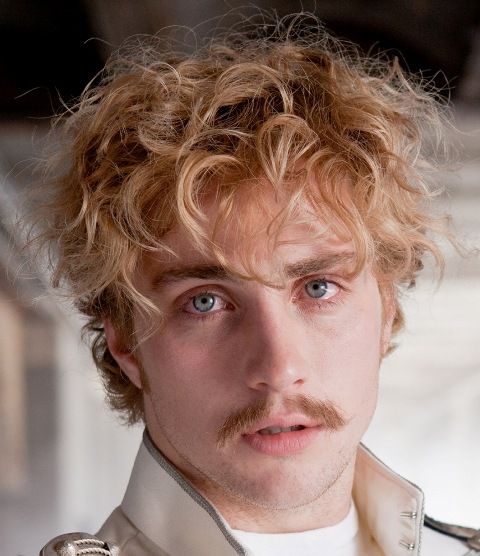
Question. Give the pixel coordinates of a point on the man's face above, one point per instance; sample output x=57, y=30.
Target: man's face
x=235, y=364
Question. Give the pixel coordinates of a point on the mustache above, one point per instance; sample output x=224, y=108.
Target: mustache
x=323, y=412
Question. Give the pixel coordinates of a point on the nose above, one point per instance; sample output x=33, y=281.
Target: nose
x=275, y=358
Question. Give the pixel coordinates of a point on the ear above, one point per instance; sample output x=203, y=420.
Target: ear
x=389, y=312
x=122, y=355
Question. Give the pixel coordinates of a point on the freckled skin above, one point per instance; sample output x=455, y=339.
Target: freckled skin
x=261, y=343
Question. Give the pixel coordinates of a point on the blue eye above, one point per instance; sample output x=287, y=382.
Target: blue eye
x=204, y=302
x=317, y=288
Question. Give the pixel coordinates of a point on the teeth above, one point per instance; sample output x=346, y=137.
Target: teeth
x=277, y=430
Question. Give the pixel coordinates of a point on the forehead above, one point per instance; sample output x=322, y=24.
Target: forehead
x=259, y=240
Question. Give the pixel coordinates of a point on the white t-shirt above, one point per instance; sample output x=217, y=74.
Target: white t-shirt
x=346, y=538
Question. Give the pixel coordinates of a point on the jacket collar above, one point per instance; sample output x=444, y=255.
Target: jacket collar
x=391, y=507
x=162, y=504
x=165, y=507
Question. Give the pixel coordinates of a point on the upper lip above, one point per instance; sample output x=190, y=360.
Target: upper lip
x=282, y=421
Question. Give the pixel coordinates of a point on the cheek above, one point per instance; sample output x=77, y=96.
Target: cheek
x=362, y=341
x=182, y=373
x=354, y=359
x=195, y=351
x=168, y=349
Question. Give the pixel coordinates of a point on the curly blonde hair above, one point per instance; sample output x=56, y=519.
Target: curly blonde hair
x=294, y=108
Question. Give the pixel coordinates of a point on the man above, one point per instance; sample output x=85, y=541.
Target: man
x=236, y=225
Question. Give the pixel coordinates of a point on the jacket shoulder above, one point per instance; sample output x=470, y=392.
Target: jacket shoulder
x=124, y=533
x=72, y=544
x=448, y=539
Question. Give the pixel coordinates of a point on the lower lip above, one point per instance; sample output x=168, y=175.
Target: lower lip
x=283, y=443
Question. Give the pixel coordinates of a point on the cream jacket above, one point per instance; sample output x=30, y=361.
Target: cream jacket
x=163, y=515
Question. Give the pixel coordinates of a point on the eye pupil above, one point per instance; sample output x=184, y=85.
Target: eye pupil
x=317, y=288
x=204, y=302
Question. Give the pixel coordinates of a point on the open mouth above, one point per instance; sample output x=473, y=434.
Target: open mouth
x=278, y=430
x=276, y=440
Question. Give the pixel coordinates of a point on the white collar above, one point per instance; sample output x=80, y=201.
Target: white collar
x=325, y=540
x=162, y=504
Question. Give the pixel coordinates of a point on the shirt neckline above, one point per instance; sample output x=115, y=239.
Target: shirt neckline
x=322, y=540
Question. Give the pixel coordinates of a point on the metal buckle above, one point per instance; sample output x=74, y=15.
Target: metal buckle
x=79, y=544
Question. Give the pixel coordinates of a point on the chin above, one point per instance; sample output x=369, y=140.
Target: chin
x=279, y=489
x=279, y=496
x=288, y=485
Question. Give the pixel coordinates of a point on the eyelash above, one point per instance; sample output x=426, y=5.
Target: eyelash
x=199, y=316
x=336, y=299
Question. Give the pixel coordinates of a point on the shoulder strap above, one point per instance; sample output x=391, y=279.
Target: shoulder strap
x=79, y=544
x=466, y=534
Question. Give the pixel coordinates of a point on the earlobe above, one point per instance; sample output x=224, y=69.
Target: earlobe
x=122, y=355
x=389, y=312
x=386, y=337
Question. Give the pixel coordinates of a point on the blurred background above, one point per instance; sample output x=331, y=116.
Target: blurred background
x=64, y=459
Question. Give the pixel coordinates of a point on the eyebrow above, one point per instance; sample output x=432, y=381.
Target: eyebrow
x=311, y=265
x=314, y=265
